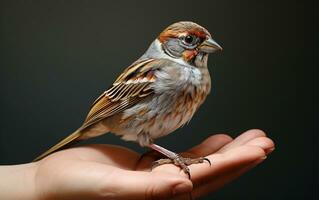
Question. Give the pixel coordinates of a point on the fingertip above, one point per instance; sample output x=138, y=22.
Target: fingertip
x=256, y=152
x=243, y=139
x=263, y=142
x=269, y=151
x=253, y=133
x=246, y=153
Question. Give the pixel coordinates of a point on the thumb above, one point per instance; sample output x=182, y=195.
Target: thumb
x=131, y=185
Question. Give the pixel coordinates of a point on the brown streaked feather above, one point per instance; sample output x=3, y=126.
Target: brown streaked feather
x=108, y=111
x=132, y=86
x=132, y=70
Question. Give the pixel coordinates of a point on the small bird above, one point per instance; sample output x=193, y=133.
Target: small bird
x=154, y=96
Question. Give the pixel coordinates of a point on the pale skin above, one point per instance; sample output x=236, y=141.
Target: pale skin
x=113, y=172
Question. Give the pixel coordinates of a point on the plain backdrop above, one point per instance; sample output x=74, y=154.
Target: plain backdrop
x=56, y=57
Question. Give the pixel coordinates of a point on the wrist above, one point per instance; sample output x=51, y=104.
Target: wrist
x=17, y=181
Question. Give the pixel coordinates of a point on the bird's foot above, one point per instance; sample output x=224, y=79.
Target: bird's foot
x=181, y=162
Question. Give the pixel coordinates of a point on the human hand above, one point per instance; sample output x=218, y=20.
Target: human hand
x=113, y=172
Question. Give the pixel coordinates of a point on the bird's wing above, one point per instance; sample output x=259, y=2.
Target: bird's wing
x=132, y=86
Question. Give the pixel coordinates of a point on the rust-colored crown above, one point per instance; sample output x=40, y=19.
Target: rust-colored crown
x=183, y=28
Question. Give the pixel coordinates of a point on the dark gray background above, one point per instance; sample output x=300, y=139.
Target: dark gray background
x=56, y=57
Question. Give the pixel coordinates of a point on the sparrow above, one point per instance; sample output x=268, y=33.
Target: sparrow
x=156, y=95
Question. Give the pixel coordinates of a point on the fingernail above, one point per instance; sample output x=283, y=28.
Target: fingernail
x=263, y=158
x=182, y=188
x=270, y=150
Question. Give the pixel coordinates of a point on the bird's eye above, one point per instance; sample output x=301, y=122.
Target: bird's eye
x=189, y=39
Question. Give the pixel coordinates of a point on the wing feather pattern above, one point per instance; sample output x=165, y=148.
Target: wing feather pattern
x=132, y=86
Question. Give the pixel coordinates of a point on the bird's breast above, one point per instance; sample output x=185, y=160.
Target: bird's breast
x=178, y=94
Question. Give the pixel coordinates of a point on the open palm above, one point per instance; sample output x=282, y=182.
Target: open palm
x=113, y=172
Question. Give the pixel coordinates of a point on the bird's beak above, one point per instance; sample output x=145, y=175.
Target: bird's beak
x=209, y=46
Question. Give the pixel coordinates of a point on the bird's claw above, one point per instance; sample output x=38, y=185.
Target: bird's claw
x=206, y=159
x=181, y=162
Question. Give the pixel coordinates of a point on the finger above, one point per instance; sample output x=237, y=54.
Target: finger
x=221, y=180
x=209, y=146
x=243, y=138
x=263, y=142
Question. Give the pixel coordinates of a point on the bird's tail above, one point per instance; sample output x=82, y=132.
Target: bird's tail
x=68, y=140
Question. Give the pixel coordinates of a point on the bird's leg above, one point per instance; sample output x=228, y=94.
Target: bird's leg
x=174, y=158
x=151, y=154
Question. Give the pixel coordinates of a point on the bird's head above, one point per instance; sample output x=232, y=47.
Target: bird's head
x=187, y=41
